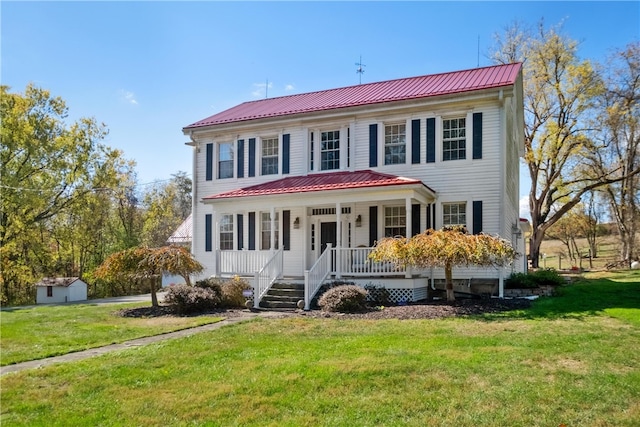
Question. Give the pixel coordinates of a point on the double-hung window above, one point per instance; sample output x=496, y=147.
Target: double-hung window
x=454, y=214
x=395, y=221
x=454, y=139
x=330, y=150
x=270, y=156
x=265, y=237
x=395, y=144
x=226, y=232
x=225, y=160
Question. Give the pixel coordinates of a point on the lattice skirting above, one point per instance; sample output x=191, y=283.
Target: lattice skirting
x=407, y=295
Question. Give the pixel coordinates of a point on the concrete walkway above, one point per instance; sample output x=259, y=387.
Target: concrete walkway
x=85, y=354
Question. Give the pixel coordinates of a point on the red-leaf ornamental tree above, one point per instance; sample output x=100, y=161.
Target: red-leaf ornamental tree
x=449, y=247
x=147, y=263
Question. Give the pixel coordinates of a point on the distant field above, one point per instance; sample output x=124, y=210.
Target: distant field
x=556, y=254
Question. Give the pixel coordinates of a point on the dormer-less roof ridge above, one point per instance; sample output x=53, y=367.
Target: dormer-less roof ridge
x=368, y=93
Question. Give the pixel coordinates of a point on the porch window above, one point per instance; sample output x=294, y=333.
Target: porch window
x=265, y=230
x=225, y=160
x=395, y=221
x=454, y=139
x=270, y=156
x=330, y=150
x=226, y=232
x=395, y=144
x=454, y=214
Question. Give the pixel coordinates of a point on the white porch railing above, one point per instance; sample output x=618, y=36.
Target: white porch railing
x=242, y=262
x=355, y=262
x=314, y=277
x=264, y=278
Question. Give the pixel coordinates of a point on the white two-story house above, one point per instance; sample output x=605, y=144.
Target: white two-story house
x=304, y=185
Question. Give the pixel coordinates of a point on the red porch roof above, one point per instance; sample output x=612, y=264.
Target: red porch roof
x=367, y=94
x=319, y=182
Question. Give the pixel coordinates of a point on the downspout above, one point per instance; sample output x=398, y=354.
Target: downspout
x=503, y=171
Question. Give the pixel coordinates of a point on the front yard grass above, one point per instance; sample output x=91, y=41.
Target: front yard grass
x=572, y=360
x=38, y=332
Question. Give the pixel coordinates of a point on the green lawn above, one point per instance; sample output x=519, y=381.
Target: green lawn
x=43, y=331
x=572, y=360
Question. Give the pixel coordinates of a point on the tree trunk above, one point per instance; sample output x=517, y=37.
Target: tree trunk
x=448, y=276
x=534, y=247
x=154, y=297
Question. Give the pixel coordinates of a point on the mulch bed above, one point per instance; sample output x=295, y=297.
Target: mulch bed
x=427, y=310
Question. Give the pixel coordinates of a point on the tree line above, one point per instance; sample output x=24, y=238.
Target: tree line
x=68, y=201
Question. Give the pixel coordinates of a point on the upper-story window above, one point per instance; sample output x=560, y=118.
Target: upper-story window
x=226, y=232
x=225, y=160
x=454, y=214
x=270, y=156
x=395, y=221
x=454, y=139
x=395, y=144
x=330, y=150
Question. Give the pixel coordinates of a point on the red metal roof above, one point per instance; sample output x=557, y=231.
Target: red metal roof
x=367, y=94
x=319, y=182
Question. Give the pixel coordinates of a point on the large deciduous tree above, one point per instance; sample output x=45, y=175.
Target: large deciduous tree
x=560, y=94
x=619, y=134
x=449, y=247
x=53, y=177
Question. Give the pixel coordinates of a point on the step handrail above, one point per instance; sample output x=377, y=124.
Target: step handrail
x=266, y=276
x=316, y=275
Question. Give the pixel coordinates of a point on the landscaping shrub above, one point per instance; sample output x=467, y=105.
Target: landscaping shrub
x=213, y=283
x=344, y=299
x=191, y=299
x=378, y=295
x=534, y=279
x=232, y=293
x=325, y=287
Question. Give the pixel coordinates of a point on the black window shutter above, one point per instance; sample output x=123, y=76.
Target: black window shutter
x=477, y=135
x=477, y=216
x=431, y=140
x=241, y=158
x=208, y=246
x=252, y=231
x=252, y=157
x=209, y=162
x=433, y=216
x=415, y=141
x=285, y=153
x=373, y=225
x=286, y=230
x=373, y=145
x=428, y=225
x=415, y=220
x=240, y=231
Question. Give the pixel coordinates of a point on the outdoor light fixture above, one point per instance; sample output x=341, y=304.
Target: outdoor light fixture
x=296, y=223
x=516, y=231
x=359, y=221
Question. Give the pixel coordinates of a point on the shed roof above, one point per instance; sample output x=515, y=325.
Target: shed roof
x=184, y=233
x=58, y=281
x=367, y=94
x=320, y=182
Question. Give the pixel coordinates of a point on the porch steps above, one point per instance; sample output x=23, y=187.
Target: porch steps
x=283, y=296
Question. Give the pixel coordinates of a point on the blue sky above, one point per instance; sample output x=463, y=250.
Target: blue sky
x=147, y=69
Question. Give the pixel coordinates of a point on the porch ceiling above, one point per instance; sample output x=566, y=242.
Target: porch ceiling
x=368, y=185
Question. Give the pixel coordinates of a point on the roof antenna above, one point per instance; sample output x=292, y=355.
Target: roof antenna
x=266, y=89
x=478, y=50
x=360, y=70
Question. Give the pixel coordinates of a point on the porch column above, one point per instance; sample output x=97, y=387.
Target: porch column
x=272, y=243
x=338, y=240
x=215, y=233
x=408, y=230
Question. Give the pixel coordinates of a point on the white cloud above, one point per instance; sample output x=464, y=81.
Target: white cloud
x=128, y=97
x=524, y=207
x=288, y=88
